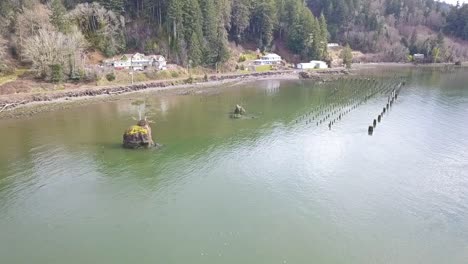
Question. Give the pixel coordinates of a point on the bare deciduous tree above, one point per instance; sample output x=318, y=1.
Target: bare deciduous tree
x=29, y=22
x=49, y=47
x=102, y=27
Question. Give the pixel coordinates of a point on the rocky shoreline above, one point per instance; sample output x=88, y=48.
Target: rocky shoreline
x=11, y=104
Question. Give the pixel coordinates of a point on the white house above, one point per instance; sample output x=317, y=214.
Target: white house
x=268, y=59
x=123, y=63
x=137, y=62
x=418, y=57
x=158, y=61
x=315, y=64
x=333, y=45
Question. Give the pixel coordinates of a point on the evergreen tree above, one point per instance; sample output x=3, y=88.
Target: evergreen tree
x=263, y=22
x=240, y=18
x=192, y=30
x=194, y=50
x=174, y=11
x=208, y=10
x=323, y=37
x=115, y=5
x=316, y=40
x=307, y=35
x=221, y=51
x=413, y=43
x=57, y=17
x=347, y=56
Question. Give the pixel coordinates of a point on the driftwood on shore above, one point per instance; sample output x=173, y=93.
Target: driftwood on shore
x=11, y=105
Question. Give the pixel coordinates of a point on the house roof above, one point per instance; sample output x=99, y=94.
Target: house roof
x=140, y=56
x=156, y=57
x=271, y=55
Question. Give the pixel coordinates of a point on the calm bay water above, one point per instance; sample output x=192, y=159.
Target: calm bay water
x=267, y=189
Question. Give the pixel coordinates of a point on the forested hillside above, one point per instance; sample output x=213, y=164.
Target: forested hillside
x=392, y=29
x=57, y=33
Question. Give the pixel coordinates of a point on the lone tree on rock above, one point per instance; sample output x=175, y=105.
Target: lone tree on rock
x=139, y=135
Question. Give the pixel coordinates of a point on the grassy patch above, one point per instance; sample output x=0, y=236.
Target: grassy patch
x=12, y=77
x=249, y=55
x=124, y=77
x=165, y=75
x=263, y=68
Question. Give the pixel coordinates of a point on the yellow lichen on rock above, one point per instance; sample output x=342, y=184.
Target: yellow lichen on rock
x=138, y=136
x=136, y=130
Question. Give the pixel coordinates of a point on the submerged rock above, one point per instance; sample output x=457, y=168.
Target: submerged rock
x=138, y=136
x=239, y=111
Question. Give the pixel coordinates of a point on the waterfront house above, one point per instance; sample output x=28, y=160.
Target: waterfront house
x=268, y=59
x=418, y=57
x=314, y=64
x=137, y=62
x=123, y=62
x=157, y=61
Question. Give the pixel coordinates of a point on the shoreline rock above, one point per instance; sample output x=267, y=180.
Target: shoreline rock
x=318, y=75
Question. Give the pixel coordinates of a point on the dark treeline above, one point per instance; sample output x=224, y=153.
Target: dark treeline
x=391, y=29
x=457, y=21
x=198, y=32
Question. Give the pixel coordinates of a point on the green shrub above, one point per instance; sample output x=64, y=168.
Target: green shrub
x=174, y=74
x=410, y=58
x=56, y=72
x=110, y=77
x=242, y=58
x=75, y=76
x=189, y=80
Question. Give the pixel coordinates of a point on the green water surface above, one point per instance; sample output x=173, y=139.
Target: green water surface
x=269, y=188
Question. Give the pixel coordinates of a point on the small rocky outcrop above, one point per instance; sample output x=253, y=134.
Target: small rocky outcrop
x=138, y=136
x=239, y=111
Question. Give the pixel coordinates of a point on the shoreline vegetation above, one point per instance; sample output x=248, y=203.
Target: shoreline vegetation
x=27, y=104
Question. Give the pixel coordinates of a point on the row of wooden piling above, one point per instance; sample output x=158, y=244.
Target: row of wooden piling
x=391, y=99
x=331, y=113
